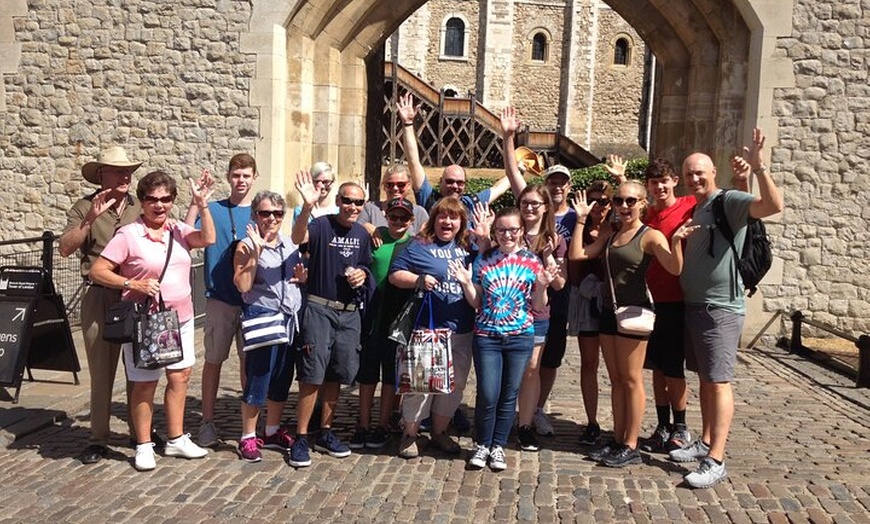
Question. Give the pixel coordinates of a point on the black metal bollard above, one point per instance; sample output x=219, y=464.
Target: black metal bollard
x=863, y=344
x=796, y=342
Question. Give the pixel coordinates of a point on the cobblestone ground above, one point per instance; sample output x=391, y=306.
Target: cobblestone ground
x=798, y=453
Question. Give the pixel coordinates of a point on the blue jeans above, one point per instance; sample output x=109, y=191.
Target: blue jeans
x=269, y=369
x=499, y=363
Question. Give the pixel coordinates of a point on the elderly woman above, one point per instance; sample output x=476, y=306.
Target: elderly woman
x=424, y=264
x=267, y=270
x=133, y=261
x=396, y=183
x=323, y=176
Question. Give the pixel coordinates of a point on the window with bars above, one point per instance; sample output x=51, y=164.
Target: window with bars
x=539, y=47
x=621, y=52
x=454, y=37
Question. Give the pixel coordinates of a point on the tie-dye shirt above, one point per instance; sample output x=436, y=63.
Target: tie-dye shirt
x=507, y=282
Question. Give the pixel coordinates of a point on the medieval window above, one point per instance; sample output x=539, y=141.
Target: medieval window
x=621, y=52
x=454, y=37
x=539, y=47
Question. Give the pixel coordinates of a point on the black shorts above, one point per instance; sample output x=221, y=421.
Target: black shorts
x=554, y=346
x=377, y=361
x=607, y=326
x=666, y=350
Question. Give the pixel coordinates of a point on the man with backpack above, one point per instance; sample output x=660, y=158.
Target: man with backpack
x=714, y=301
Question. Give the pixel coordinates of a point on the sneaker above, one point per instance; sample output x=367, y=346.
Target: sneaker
x=542, y=423
x=497, y=460
x=208, y=435
x=479, y=457
x=602, y=451
x=526, y=439
x=707, y=475
x=409, y=446
x=280, y=441
x=184, y=447
x=460, y=422
x=694, y=451
x=249, y=449
x=443, y=442
x=679, y=438
x=358, y=439
x=376, y=438
x=426, y=424
x=145, y=460
x=156, y=439
x=328, y=443
x=655, y=443
x=299, y=456
x=621, y=457
x=93, y=454
x=397, y=425
x=590, y=434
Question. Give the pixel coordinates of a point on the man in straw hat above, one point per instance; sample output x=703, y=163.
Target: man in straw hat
x=91, y=223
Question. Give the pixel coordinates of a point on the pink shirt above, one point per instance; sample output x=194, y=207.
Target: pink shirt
x=139, y=257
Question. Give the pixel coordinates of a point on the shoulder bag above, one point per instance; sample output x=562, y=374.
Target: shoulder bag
x=158, y=339
x=630, y=320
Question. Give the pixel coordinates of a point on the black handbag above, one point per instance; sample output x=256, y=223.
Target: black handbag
x=401, y=327
x=121, y=320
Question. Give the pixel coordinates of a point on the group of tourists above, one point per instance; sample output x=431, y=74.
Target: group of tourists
x=509, y=286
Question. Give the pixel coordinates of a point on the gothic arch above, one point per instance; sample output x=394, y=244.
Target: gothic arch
x=716, y=73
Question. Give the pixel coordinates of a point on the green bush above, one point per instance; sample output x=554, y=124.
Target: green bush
x=580, y=179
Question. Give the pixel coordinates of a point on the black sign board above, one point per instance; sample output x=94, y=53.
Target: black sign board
x=34, y=328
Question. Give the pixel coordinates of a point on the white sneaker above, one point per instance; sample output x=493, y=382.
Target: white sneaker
x=497, y=460
x=707, y=475
x=184, y=447
x=542, y=423
x=208, y=435
x=479, y=458
x=145, y=460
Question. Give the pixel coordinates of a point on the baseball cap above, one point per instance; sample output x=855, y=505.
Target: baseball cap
x=400, y=203
x=558, y=169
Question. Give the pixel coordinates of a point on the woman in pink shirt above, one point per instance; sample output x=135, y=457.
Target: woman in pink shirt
x=132, y=262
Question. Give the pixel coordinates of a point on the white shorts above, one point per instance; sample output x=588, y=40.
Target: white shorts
x=135, y=374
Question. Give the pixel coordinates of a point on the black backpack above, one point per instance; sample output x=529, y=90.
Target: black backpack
x=757, y=256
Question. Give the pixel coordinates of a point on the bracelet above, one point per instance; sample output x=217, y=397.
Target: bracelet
x=407, y=124
x=760, y=170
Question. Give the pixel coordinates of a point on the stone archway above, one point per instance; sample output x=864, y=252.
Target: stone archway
x=311, y=88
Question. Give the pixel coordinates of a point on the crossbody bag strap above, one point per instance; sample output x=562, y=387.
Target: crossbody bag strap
x=610, y=273
x=161, y=305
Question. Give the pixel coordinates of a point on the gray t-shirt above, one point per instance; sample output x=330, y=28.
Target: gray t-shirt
x=706, y=279
x=371, y=214
x=271, y=288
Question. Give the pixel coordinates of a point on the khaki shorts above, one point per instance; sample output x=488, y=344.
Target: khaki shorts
x=222, y=325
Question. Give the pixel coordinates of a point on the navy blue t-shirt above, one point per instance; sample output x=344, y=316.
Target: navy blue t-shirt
x=333, y=248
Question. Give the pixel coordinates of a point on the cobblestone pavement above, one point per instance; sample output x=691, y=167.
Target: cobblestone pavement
x=798, y=453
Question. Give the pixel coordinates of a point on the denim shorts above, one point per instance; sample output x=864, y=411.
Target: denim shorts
x=330, y=345
x=542, y=326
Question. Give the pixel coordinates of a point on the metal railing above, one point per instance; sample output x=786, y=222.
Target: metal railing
x=65, y=272
x=862, y=342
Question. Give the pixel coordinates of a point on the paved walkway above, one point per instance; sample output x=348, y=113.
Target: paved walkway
x=798, y=453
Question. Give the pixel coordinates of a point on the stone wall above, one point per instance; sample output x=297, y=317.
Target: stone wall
x=822, y=160
x=164, y=79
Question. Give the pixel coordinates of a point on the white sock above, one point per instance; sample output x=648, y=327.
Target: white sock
x=147, y=445
x=248, y=435
x=271, y=430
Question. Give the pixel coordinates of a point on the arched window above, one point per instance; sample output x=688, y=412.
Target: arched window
x=454, y=37
x=539, y=47
x=621, y=52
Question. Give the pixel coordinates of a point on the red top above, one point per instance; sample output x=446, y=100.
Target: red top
x=664, y=286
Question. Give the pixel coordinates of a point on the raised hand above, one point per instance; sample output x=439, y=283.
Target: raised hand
x=406, y=110
x=483, y=218
x=684, y=231
x=256, y=239
x=753, y=153
x=547, y=275
x=580, y=205
x=510, y=123
x=100, y=204
x=741, y=169
x=201, y=189
x=615, y=167
x=550, y=247
x=305, y=187
x=459, y=271
x=300, y=274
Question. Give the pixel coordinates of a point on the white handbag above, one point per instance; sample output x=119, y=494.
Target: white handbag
x=630, y=320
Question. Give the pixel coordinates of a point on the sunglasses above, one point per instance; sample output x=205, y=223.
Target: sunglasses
x=507, y=230
x=629, y=201
x=163, y=200
x=399, y=217
x=603, y=201
x=358, y=202
x=398, y=185
x=325, y=183
x=277, y=213
x=531, y=204
x=453, y=182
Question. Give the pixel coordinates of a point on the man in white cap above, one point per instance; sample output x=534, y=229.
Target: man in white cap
x=91, y=223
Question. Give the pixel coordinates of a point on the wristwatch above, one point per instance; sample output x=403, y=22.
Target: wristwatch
x=126, y=284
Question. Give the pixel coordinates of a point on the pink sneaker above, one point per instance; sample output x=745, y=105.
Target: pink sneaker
x=249, y=449
x=280, y=441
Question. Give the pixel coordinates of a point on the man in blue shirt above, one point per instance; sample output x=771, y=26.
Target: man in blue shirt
x=223, y=301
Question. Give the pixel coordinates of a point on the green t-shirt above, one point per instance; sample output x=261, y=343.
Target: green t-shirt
x=382, y=256
x=709, y=279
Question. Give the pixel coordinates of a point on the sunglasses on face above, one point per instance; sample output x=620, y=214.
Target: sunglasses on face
x=399, y=217
x=163, y=200
x=277, y=213
x=325, y=183
x=603, y=201
x=531, y=204
x=358, y=202
x=628, y=201
x=507, y=230
x=398, y=185
x=453, y=182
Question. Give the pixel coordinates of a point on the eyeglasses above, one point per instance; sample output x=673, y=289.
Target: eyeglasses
x=324, y=182
x=628, y=201
x=266, y=213
x=603, y=201
x=507, y=230
x=398, y=185
x=531, y=204
x=453, y=182
x=355, y=201
x=163, y=200
x=399, y=217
